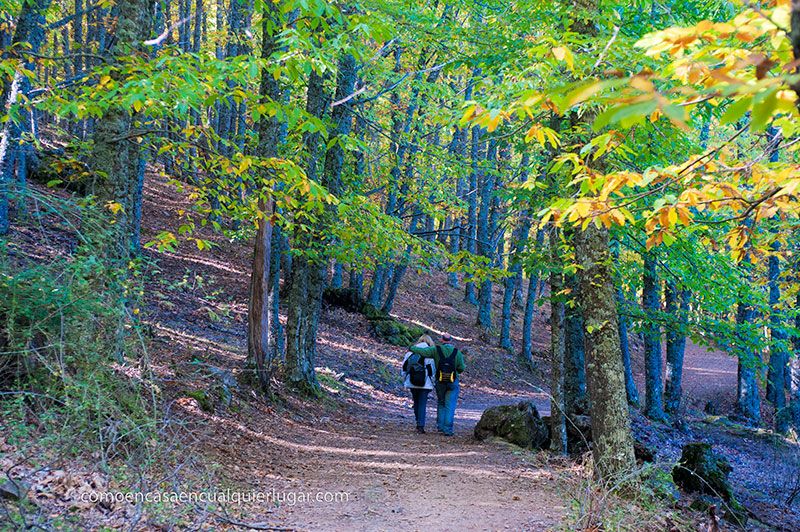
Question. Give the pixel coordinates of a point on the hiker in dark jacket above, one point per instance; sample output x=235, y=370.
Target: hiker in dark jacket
x=418, y=375
x=449, y=366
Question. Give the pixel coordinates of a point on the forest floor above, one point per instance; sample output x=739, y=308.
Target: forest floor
x=358, y=442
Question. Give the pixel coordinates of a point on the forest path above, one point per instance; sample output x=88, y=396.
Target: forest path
x=394, y=478
x=709, y=375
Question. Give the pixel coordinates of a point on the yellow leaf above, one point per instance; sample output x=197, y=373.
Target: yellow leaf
x=114, y=207
x=494, y=121
x=469, y=114
x=562, y=53
x=643, y=84
x=673, y=217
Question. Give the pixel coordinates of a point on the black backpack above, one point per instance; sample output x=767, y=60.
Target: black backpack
x=417, y=370
x=446, y=371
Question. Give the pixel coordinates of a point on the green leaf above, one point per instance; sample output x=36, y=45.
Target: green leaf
x=763, y=105
x=736, y=110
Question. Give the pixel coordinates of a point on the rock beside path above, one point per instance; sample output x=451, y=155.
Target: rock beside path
x=519, y=424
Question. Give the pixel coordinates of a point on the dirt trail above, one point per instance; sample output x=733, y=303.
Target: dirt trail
x=395, y=479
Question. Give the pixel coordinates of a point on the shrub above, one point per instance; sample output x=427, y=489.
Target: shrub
x=69, y=353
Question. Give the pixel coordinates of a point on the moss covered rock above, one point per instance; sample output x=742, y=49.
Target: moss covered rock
x=701, y=470
x=203, y=398
x=385, y=327
x=519, y=424
x=389, y=329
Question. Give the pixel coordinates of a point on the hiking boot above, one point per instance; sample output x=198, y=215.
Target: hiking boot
x=421, y=430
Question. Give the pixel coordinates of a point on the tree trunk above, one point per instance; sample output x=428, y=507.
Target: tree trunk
x=259, y=310
x=115, y=155
x=305, y=286
x=778, y=353
x=514, y=281
x=486, y=247
x=654, y=389
x=611, y=432
x=356, y=282
x=575, y=357
x=630, y=384
x=305, y=296
x=558, y=414
x=530, y=304
x=459, y=150
x=677, y=308
x=472, y=204
x=748, y=402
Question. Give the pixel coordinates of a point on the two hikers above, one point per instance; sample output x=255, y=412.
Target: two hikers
x=419, y=374
x=449, y=364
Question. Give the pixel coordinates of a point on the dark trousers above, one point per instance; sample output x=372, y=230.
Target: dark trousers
x=420, y=398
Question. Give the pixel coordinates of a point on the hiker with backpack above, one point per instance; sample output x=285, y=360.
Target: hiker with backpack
x=418, y=374
x=449, y=365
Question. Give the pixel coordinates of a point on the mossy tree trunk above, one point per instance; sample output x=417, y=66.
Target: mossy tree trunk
x=308, y=270
x=611, y=432
x=115, y=155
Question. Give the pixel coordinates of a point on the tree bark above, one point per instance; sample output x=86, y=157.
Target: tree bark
x=259, y=311
x=558, y=413
x=308, y=270
x=519, y=241
x=611, y=432
x=630, y=384
x=575, y=358
x=748, y=402
x=530, y=304
x=115, y=156
x=486, y=247
x=472, y=204
x=654, y=389
x=778, y=353
x=677, y=308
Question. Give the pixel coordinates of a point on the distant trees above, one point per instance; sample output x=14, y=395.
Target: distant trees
x=14, y=152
